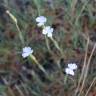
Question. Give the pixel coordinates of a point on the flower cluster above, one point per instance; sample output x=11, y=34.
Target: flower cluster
x=70, y=69
x=47, y=30
x=26, y=52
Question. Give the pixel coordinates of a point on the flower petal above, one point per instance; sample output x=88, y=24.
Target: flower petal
x=72, y=66
x=47, y=31
x=69, y=71
x=26, y=52
x=41, y=19
x=24, y=55
x=49, y=34
x=26, y=49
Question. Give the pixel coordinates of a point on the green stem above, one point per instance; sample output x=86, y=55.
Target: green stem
x=37, y=3
x=15, y=21
x=47, y=44
x=39, y=65
x=65, y=79
x=20, y=34
x=56, y=45
x=83, y=7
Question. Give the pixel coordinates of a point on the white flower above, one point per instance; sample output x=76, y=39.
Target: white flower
x=41, y=20
x=72, y=66
x=47, y=31
x=26, y=52
x=70, y=69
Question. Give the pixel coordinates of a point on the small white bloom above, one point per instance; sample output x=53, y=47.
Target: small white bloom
x=41, y=20
x=47, y=31
x=69, y=71
x=72, y=66
x=26, y=52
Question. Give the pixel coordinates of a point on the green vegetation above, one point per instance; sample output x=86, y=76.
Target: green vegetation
x=43, y=72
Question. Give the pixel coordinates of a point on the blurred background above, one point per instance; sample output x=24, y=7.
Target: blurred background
x=74, y=21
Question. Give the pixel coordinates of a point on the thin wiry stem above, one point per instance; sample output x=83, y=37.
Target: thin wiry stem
x=73, y=5
x=19, y=90
x=20, y=34
x=47, y=44
x=37, y=3
x=83, y=69
x=87, y=69
x=90, y=86
x=57, y=45
x=16, y=23
x=25, y=88
x=38, y=64
x=8, y=87
x=83, y=7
